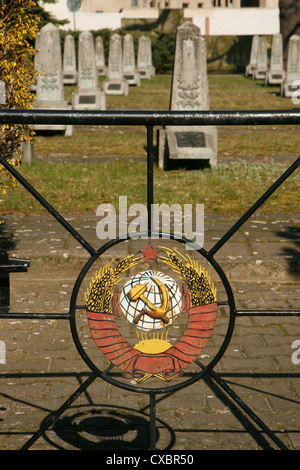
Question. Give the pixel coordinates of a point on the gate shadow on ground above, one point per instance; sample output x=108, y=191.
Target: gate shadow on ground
x=246, y=422
x=95, y=426
x=292, y=234
x=6, y=238
x=104, y=427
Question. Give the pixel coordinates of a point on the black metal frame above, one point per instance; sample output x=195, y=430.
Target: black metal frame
x=149, y=120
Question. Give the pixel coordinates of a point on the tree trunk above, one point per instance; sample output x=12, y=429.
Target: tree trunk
x=289, y=21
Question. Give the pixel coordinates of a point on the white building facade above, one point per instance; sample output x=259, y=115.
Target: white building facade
x=214, y=17
x=116, y=6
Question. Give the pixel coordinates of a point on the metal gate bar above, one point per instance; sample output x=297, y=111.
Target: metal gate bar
x=151, y=119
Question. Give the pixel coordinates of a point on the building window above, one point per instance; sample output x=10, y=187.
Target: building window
x=185, y=5
x=134, y=3
x=249, y=3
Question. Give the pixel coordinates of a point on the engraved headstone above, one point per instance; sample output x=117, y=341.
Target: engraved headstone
x=100, y=56
x=50, y=89
x=115, y=84
x=69, y=61
x=262, y=59
x=288, y=86
x=276, y=72
x=253, y=56
x=144, y=60
x=129, y=66
x=189, y=93
x=88, y=94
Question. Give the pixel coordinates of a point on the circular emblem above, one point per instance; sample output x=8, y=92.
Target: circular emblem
x=153, y=304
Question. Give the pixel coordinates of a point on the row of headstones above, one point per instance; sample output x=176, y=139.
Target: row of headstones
x=123, y=69
x=190, y=92
x=54, y=72
x=189, y=85
x=275, y=73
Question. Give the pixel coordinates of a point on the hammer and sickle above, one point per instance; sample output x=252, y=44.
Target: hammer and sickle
x=137, y=292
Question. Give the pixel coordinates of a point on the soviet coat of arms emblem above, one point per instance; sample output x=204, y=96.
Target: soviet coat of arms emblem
x=151, y=302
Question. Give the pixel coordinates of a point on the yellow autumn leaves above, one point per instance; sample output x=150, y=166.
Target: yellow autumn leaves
x=18, y=28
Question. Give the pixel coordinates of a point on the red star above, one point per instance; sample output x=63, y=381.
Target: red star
x=149, y=253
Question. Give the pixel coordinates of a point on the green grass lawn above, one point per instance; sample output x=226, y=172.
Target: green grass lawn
x=228, y=189
x=232, y=187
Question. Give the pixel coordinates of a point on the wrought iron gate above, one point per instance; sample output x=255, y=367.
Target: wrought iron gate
x=149, y=120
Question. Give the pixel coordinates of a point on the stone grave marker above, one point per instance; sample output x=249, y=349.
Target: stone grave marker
x=115, y=84
x=2, y=352
x=2, y=92
x=144, y=61
x=88, y=94
x=276, y=72
x=69, y=61
x=262, y=60
x=288, y=86
x=50, y=89
x=189, y=93
x=100, y=57
x=129, y=66
x=253, y=56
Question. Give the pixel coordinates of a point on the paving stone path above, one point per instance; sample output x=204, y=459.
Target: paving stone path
x=41, y=367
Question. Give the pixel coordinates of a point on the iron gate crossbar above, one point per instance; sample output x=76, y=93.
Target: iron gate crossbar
x=151, y=119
